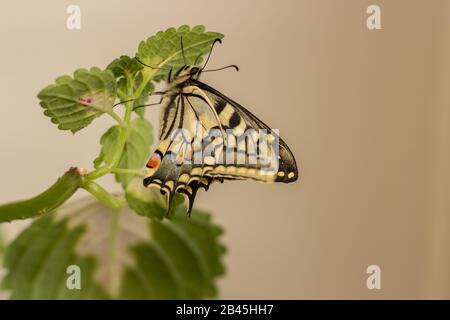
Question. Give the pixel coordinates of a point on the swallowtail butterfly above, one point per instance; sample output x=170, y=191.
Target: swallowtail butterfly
x=205, y=137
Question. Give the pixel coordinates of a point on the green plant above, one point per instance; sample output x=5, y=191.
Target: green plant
x=122, y=243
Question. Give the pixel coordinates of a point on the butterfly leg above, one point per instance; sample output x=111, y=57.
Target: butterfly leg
x=151, y=94
x=150, y=104
x=157, y=93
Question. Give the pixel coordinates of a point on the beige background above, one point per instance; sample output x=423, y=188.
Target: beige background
x=365, y=112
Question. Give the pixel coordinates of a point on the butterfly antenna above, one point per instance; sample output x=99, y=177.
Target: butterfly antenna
x=230, y=66
x=151, y=67
x=210, y=51
x=182, y=50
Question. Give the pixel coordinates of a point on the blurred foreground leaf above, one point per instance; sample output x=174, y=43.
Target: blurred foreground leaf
x=2, y=244
x=120, y=255
x=149, y=202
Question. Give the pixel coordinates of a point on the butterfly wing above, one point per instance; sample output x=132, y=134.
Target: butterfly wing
x=207, y=137
x=235, y=116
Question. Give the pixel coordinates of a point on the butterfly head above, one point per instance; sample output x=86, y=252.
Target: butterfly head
x=186, y=73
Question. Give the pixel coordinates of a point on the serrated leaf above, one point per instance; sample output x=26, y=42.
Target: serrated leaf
x=200, y=229
x=73, y=102
x=192, y=261
x=142, y=99
x=120, y=255
x=124, y=67
x=127, y=69
x=163, y=50
x=135, y=152
x=38, y=258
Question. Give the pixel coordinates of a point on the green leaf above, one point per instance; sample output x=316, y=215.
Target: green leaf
x=195, y=260
x=73, y=102
x=136, y=150
x=2, y=243
x=45, y=202
x=124, y=67
x=120, y=255
x=38, y=258
x=143, y=98
x=200, y=229
x=163, y=50
x=127, y=70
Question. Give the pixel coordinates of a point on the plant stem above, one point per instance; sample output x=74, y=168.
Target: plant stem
x=102, y=195
x=147, y=74
x=128, y=171
x=116, y=117
x=121, y=140
x=45, y=202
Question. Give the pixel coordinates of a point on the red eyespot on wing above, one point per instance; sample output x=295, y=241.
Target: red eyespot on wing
x=154, y=161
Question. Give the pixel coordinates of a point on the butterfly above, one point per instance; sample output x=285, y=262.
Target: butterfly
x=206, y=137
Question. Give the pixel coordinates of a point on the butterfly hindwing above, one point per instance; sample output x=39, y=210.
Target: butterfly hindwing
x=196, y=147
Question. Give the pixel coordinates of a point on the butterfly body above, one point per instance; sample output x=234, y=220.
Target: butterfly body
x=205, y=137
